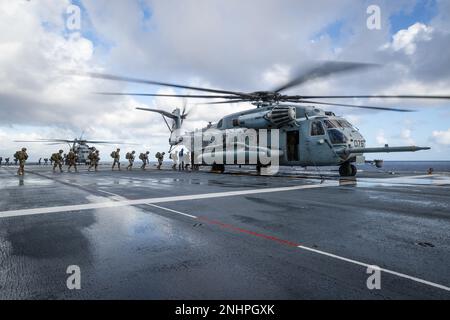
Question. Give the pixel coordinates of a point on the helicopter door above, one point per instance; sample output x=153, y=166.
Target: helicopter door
x=292, y=144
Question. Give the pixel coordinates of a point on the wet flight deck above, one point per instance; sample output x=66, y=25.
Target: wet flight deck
x=198, y=235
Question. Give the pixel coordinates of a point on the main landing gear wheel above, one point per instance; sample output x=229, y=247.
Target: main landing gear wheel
x=218, y=167
x=347, y=170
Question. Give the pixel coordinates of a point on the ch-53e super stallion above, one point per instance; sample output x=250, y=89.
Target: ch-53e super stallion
x=308, y=135
x=78, y=145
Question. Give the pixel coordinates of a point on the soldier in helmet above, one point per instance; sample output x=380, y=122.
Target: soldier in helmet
x=94, y=157
x=57, y=160
x=1, y=160
x=21, y=156
x=72, y=160
x=144, y=158
x=130, y=157
x=116, y=158
x=160, y=157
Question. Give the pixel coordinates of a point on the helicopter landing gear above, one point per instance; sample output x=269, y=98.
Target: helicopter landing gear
x=347, y=170
x=218, y=168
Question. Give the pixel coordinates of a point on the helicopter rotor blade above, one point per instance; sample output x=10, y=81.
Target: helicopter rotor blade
x=159, y=83
x=437, y=97
x=165, y=113
x=353, y=106
x=195, y=96
x=322, y=70
x=227, y=101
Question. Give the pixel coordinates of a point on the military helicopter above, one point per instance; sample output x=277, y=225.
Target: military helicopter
x=308, y=135
x=78, y=145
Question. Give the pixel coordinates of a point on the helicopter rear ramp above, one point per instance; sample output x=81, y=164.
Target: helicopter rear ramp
x=163, y=234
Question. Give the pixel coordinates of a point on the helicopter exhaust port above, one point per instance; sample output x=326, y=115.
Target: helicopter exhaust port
x=282, y=116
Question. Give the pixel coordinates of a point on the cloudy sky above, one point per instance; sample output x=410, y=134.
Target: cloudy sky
x=237, y=45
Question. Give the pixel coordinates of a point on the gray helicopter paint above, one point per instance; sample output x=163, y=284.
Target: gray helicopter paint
x=310, y=150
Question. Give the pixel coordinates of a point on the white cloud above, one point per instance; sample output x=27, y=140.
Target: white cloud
x=406, y=39
x=381, y=138
x=442, y=137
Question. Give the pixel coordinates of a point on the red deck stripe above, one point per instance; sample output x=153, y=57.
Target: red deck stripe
x=256, y=234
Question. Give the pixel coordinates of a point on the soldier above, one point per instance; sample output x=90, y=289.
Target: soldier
x=160, y=157
x=181, y=156
x=116, y=156
x=65, y=160
x=174, y=157
x=1, y=159
x=57, y=159
x=144, y=158
x=72, y=159
x=130, y=156
x=20, y=156
x=6, y=161
x=40, y=161
x=94, y=159
x=45, y=161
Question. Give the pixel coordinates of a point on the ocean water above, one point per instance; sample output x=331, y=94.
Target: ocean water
x=410, y=166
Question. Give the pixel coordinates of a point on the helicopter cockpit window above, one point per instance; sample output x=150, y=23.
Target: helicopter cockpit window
x=219, y=125
x=317, y=128
x=329, y=124
x=344, y=124
x=336, y=136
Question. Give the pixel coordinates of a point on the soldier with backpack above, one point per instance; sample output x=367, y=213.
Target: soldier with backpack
x=72, y=160
x=130, y=157
x=160, y=157
x=116, y=158
x=144, y=158
x=20, y=156
x=57, y=159
x=94, y=159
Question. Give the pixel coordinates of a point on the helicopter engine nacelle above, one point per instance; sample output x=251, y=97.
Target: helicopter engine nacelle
x=277, y=117
x=282, y=116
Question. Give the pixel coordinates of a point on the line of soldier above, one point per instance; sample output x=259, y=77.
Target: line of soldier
x=71, y=159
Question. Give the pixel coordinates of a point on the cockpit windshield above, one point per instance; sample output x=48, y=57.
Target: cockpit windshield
x=341, y=123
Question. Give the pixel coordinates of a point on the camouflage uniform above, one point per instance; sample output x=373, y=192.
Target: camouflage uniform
x=116, y=156
x=72, y=159
x=144, y=158
x=57, y=160
x=94, y=158
x=130, y=157
x=160, y=157
x=21, y=156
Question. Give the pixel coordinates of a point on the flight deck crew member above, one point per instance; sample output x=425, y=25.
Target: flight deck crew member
x=160, y=157
x=116, y=156
x=72, y=159
x=144, y=158
x=21, y=156
x=94, y=159
x=130, y=156
x=57, y=160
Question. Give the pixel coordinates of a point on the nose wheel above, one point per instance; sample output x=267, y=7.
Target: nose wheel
x=347, y=170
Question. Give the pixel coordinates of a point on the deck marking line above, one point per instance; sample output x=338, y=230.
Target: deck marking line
x=256, y=234
x=174, y=211
x=398, y=274
x=114, y=204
